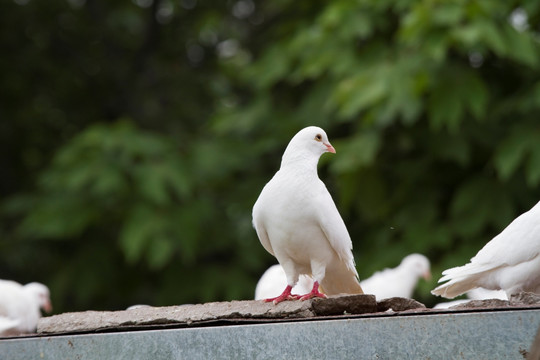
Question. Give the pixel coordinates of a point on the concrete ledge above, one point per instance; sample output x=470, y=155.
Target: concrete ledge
x=505, y=334
x=148, y=317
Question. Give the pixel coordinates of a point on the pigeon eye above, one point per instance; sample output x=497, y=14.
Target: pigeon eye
x=318, y=137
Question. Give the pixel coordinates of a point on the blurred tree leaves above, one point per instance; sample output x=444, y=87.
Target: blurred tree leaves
x=139, y=135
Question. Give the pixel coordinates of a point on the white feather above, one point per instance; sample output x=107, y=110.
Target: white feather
x=510, y=261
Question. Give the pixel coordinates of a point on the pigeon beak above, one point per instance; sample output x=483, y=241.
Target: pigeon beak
x=47, y=307
x=427, y=275
x=330, y=148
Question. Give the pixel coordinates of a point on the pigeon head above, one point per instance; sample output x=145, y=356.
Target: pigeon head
x=417, y=264
x=40, y=293
x=308, y=144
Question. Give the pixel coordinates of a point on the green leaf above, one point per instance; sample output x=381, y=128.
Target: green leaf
x=533, y=165
x=512, y=151
x=359, y=151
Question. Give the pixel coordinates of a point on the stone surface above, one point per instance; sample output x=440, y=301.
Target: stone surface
x=91, y=321
x=524, y=299
x=344, y=304
x=399, y=304
x=480, y=304
x=254, y=311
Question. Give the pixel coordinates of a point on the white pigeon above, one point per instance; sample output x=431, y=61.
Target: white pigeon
x=399, y=281
x=297, y=221
x=20, y=306
x=510, y=261
x=274, y=280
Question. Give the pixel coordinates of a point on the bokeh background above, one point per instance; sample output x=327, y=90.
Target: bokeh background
x=135, y=136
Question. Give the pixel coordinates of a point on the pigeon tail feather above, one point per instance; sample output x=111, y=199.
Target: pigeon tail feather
x=341, y=280
x=460, y=280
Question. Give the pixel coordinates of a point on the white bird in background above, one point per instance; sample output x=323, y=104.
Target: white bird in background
x=399, y=281
x=7, y=325
x=297, y=221
x=20, y=306
x=510, y=261
x=274, y=280
x=396, y=282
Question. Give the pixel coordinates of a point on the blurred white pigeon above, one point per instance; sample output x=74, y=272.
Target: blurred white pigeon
x=20, y=306
x=510, y=261
x=274, y=280
x=7, y=325
x=399, y=281
x=297, y=221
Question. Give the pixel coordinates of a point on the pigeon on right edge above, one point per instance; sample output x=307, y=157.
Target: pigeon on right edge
x=510, y=261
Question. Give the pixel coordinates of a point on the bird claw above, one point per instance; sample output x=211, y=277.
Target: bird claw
x=282, y=297
x=312, y=295
x=286, y=295
x=315, y=293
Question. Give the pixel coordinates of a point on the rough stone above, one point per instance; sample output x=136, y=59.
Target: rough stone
x=91, y=321
x=480, y=304
x=251, y=310
x=525, y=298
x=518, y=300
x=399, y=304
x=345, y=304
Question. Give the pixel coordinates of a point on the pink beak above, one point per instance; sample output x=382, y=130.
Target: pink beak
x=330, y=148
x=427, y=275
x=47, y=307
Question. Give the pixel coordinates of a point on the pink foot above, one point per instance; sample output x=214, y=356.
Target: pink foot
x=285, y=295
x=314, y=293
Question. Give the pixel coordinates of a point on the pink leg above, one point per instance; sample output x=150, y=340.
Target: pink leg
x=314, y=293
x=285, y=295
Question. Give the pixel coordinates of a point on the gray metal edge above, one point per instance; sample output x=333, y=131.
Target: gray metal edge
x=482, y=335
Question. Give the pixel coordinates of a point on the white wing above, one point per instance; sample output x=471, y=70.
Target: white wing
x=259, y=225
x=334, y=228
x=518, y=242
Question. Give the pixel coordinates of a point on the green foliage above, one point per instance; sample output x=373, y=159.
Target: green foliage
x=138, y=137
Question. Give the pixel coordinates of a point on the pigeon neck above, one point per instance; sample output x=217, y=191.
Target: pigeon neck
x=300, y=161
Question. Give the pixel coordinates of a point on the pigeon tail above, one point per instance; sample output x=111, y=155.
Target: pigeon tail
x=461, y=279
x=457, y=286
x=340, y=279
x=454, y=288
